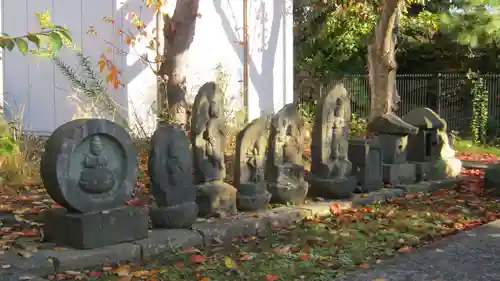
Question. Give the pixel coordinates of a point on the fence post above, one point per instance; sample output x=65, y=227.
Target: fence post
x=439, y=95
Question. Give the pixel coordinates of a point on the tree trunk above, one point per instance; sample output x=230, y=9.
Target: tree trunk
x=178, y=34
x=382, y=61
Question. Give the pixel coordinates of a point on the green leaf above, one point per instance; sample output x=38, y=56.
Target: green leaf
x=10, y=44
x=34, y=38
x=64, y=35
x=21, y=45
x=56, y=41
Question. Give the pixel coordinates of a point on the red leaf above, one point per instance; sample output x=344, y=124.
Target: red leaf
x=335, y=209
x=271, y=277
x=304, y=257
x=364, y=265
x=94, y=274
x=196, y=259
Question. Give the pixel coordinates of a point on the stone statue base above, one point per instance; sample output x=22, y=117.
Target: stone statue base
x=252, y=196
x=333, y=188
x=96, y=229
x=216, y=198
x=178, y=216
x=372, y=185
x=292, y=192
x=445, y=168
x=403, y=173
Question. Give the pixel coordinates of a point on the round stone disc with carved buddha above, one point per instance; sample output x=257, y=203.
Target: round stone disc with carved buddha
x=89, y=165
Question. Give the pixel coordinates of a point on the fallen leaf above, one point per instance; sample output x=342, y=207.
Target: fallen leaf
x=364, y=265
x=282, y=250
x=304, y=257
x=245, y=256
x=230, y=263
x=335, y=209
x=94, y=274
x=5, y=266
x=404, y=249
x=122, y=270
x=271, y=277
x=196, y=259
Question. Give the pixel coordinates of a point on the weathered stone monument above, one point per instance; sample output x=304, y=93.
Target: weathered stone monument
x=366, y=158
x=330, y=175
x=249, y=165
x=171, y=178
x=284, y=169
x=208, y=138
x=90, y=168
x=430, y=149
x=392, y=136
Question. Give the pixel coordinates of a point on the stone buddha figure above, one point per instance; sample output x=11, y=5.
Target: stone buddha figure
x=96, y=177
x=338, y=165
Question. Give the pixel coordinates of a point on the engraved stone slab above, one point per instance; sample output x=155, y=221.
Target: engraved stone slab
x=330, y=167
x=170, y=172
x=284, y=168
x=89, y=165
x=249, y=160
x=208, y=139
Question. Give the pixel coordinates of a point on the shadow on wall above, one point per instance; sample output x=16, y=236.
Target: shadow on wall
x=137, y=74
x=262, y=81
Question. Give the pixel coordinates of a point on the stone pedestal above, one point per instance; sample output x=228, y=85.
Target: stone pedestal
x=177, y=216
x=289, y=186
x=366, y=159
x=252, y=196
x=96, y=229
x=422, y=170
x=404, y=173
x=294, y=192
x=445, y=168
x=216, y=198
x=332, y=188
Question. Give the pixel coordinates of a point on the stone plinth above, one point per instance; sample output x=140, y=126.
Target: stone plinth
x=96, y=229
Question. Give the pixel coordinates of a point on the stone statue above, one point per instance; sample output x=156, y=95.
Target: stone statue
x=392, y=136
x=330, y=167
x=90, y=168
x=208, y=138
x=430, y=149
x=96, y=177
x=250, y=155
x=208, y=134
x=170, y=172
x=284, y=169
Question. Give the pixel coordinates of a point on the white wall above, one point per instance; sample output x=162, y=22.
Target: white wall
x=38, y=87
x=270, y=30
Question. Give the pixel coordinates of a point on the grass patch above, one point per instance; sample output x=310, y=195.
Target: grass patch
x=467, y=147
x=319, y=249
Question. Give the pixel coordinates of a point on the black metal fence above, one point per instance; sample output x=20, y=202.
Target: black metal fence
x=447, y=94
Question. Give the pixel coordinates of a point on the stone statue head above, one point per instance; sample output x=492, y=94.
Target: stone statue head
x=96, y=146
